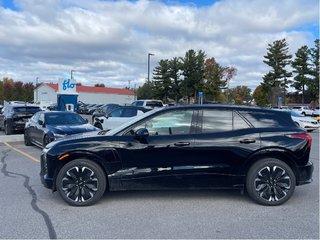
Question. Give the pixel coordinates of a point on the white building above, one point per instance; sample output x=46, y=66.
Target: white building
x=46, y=93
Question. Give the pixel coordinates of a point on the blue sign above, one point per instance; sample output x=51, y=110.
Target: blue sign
x=200, y=94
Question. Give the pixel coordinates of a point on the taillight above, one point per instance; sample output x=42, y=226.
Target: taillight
x=302, y=135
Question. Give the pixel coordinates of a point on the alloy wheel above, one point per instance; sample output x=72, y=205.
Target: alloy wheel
x=272, y=183
x=80, y=184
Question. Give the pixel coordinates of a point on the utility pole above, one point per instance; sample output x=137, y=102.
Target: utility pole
x=149, y=89
x=37, y=80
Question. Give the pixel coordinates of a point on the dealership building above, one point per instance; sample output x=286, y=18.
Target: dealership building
x=46, y=94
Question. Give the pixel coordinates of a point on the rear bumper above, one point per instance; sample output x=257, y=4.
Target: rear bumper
x=305, y=174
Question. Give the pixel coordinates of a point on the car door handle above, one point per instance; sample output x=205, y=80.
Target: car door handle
x=247, y=141
x=182, y=144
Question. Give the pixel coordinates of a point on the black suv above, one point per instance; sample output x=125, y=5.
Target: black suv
x=14, y=116
x=192, y=146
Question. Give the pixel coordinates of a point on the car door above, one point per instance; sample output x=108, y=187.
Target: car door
x=31, y=126
x=161, y=159
x=223, y=142
x=39, y=128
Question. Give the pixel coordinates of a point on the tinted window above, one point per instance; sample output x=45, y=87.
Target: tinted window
x=35, y=117
x=129, y=112
x=266, y=119
x=171, y=123
x=116, y=113
x=154, y=104
x=216, y=121
x=64, y=119
x=26, y=109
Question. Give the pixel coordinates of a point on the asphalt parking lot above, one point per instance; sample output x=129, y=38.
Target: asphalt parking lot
x=28, y=210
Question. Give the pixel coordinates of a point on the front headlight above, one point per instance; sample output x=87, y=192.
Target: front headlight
x=57, y=135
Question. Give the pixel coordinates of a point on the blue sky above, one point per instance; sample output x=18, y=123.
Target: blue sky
x=108, y=41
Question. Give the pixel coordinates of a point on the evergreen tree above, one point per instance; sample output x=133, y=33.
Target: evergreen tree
x=313, y=84
x=301, y=69
x=161, y=81
x=193, y=72
x=277, y=58
x=260, y=96
x=175, y=76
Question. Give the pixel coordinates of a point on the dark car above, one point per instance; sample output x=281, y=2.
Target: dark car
x=14, y=116
x=104, y=110
x=190, y=147
x=45, y=127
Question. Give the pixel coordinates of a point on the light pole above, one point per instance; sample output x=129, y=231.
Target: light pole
x=149, y=90
x=37, y=80
x=71, y=74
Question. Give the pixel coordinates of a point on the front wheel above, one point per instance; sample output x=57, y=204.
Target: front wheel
x=27, y=141
x=270, y=182
x=7, y=129
x=81, y=182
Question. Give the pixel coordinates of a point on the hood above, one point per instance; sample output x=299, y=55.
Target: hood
x=72, y=129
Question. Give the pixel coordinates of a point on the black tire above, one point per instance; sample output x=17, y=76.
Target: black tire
x=46, y=140
x=81, y=182
x=7, y=129
x=27, y=141
x=98, y=125
x=270, y=182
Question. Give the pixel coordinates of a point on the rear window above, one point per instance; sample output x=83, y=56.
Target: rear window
x=268, y=119
x=154, y=104
x=26, y=109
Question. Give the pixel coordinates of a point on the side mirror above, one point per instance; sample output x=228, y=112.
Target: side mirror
x=141, y=134
x=41, y=123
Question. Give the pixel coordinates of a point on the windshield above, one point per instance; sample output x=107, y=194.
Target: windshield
x=296, y=114
x=132, y=121
x=26, y=109
x=64, y=119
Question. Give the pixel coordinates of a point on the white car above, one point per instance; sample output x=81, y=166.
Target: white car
x=304, y=110
x=307, y=123
x=148, y=103
x=118, y=116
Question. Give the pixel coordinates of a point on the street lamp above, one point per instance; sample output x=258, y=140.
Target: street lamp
x=71, y=75
x=149, y=90
x=37, y=80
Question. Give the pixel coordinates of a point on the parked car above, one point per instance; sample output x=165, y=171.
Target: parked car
x=14, y=116
x=45, y=127
x=104, y=110
x=118, y=116
x=316, y=114
x=308, y=123
x=94, y=108
x=304, y=110
x=189, y=147
x=149, y=103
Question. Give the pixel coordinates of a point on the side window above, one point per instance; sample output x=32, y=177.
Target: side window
x=129, y=112
x=216, y=121
x=41, y=117
x=239, y=122
x=170, y=123
x=116, y=113
x=35, y=117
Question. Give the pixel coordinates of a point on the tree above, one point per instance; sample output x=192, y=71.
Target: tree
x=277, y=79
x=175, y=74
x=193, y=72
x=161, y=86
x=213, y=79
x=301, y=69
x=142, y=91
x=99, y=85
x=240, y=95
x=313, y=84
x=260, y=96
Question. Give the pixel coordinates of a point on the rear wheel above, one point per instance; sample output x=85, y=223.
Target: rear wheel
x=81, y=182
x=27, y=141
x=270, y=182
x=7, y=129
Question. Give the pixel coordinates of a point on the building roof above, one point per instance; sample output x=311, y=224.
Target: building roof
x=89, y=89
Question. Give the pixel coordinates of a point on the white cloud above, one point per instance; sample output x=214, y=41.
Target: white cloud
x=108, y=41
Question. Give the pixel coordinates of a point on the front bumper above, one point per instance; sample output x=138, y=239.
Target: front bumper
x=304, y=174
x=45, y=179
